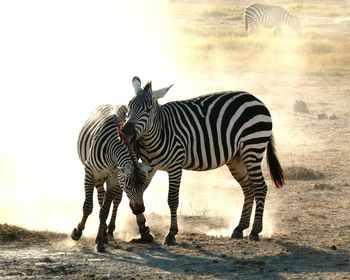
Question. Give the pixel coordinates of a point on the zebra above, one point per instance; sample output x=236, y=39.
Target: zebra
x=256, y=15
x=225, y=128
x=106, y=159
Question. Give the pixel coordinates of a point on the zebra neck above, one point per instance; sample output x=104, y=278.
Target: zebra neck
x=155, y=137
x=151, y=135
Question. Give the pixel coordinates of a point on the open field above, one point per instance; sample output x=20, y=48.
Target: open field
x=307, y=223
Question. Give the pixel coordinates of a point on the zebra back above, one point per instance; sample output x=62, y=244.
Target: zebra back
x=98, y=139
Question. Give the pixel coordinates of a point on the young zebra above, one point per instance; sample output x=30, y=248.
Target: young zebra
x=107, y=160
x=203, y=133
x=256, y=15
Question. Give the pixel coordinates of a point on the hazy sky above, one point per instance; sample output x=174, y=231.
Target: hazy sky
x=58, y=61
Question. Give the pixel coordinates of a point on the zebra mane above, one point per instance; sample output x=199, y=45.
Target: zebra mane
x=120, y=112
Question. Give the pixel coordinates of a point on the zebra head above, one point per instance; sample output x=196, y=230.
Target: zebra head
x=134, y=180
x=142, y=110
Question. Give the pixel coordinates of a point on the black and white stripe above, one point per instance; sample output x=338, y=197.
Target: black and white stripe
x=256, y=15
x=107, y=159
x=203, y=133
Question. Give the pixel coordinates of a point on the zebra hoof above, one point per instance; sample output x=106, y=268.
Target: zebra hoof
x=254, y=237
x=105, y=238
x=237, y=234
x=100, y=247
x=110, y=237
x=75, y=235
x=169, y=240
x=147, y=238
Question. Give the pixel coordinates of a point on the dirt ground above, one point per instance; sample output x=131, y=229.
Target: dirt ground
x=310, y=238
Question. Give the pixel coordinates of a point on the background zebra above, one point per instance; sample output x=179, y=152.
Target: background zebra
x=203, y=133
x=107, y=160
x=256, y=15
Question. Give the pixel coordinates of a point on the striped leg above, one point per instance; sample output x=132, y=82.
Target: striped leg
x=144, y=230
x=100, y=192
x=116, y=201
x=173, y=201
x=260, y=190
x=239, y=172
x=111, y=192
x=88, y=204
x=254, y=28
x=278, y=30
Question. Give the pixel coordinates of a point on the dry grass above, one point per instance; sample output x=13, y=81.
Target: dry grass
x=212, y=29
x=302, y=173
x=9, y=234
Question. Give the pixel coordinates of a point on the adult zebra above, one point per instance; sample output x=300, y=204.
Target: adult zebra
x=107, y=159
x=256, y=15
x=203, y=133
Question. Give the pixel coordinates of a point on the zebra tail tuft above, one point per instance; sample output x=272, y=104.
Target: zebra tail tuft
x=274, y=166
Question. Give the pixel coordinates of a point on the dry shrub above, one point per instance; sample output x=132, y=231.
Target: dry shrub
x=319, y=46
x=323, y=187
x=302, y=173
x=9, y=233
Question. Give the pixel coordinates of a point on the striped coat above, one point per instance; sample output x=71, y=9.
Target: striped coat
x=107, y=160
x=261, y=15
x=204, y=133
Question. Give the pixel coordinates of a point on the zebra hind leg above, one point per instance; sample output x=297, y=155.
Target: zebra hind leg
x=239, y=172
x=87, y=206
x=260, y=191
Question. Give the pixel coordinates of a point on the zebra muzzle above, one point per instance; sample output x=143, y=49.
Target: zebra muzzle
x=128, y=132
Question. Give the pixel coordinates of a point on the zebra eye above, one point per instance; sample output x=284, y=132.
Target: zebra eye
x=148, y=109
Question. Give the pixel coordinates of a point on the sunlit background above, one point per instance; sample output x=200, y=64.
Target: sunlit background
x=61, y=59
x=58, y=61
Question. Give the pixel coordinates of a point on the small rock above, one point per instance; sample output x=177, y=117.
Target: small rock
x=333, y=247
x=322, y=116
x=333, y=117
x=300, y=107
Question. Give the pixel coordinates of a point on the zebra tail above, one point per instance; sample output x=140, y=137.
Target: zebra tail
x=274, y=166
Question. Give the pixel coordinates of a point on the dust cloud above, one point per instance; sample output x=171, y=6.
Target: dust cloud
x=64, y=59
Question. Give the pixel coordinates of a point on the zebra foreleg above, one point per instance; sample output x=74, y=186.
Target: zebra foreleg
x=116, y=202
x=173, y=202
x=100, y=192
x=87, y=206
x=100, y=239
x=144, y=230
x=278, y=30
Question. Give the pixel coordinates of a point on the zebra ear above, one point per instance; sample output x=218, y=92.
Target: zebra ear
x=144, y=167
x=160, y=92
x=126, y=170
x=136, y=83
